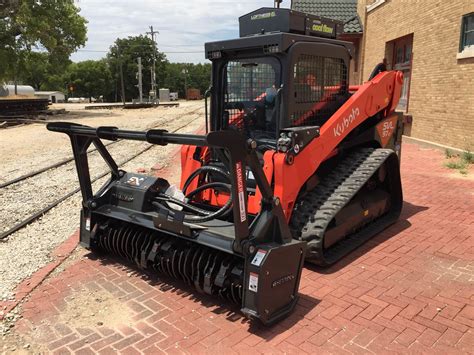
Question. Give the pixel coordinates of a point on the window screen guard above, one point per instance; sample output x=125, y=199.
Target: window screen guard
x=250, y=92
x=319, y=89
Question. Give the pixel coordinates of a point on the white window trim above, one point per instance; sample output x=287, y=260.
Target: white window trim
x=375, y=5
x=468, y=52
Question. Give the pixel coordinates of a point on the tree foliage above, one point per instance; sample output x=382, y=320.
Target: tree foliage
x=126, y=51
x=198, y=76
x=90, y=78
x=53, y=26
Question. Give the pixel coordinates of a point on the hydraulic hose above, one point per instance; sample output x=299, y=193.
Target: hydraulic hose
x=205, y=215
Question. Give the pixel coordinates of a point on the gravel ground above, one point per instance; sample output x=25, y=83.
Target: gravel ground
x=28, y=148
x=29, y=249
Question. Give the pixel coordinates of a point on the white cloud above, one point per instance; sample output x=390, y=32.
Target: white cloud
x=184, y=25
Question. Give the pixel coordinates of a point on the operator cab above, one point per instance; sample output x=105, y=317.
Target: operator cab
x=286, y=70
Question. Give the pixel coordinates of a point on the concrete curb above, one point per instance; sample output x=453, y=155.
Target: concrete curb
x=429, y=144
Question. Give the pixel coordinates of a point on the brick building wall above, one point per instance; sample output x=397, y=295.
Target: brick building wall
x=441, y=96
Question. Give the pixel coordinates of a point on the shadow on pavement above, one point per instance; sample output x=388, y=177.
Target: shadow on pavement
x=408, y=211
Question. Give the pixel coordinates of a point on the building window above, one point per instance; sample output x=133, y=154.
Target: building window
x=402, y=61
x=467, y=33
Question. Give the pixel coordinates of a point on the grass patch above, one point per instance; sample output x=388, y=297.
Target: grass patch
x=448, y=153
x=467, y=157
x=455, y=164
x=459, y=162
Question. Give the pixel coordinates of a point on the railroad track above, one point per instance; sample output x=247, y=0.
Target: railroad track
x=70, y=159
x=56, y=202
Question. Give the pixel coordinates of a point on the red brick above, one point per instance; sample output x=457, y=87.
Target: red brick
x=84, y=351
x=365, y=338
x=149, y=341
x=374, y=301
x=450, y=337
x=451, y=324
x=467, y=312
x=130, y=351
x=300, y=336
x=407, y=337
x=370, y=312
x=332, y=311
x=390, y=311
x=127, y=341
x=103, y=342
x=429, y=312
x=430, y=324
x=63, y=341
x=351, y=312
x=321, y=337
x=429, y=337
x=84, y=341
x=410, y=311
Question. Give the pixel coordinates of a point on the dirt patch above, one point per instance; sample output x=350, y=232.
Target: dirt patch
x=90, y=309
x=15, y=344
x=455, y=174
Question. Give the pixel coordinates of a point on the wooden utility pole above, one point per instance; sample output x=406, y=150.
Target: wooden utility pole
x=153, y=74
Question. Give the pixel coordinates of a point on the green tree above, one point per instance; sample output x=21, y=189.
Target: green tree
x=90, y=78
x=39, y=72
x=127, y=51
x=52, y=26
x=198, y=77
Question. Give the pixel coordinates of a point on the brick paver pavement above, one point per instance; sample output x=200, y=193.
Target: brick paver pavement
x=409, y=289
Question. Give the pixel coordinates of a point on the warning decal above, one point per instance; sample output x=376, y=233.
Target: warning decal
x=258, y=258
x=240, y=189
x=253, y=282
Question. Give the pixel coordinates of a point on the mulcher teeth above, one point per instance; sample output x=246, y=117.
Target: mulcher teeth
x=207, y=270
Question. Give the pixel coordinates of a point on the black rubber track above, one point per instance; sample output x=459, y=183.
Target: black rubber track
x=314, y=212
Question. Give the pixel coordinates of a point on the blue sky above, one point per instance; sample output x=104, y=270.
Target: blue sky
x=184, y=25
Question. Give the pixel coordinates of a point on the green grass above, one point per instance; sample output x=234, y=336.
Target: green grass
x=455, y=164
x=462, y=161
x=467, y=157
x=448, y=154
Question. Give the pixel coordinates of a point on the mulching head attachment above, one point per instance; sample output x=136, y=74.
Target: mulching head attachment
x=250, y=260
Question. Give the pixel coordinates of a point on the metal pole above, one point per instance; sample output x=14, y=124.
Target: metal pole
x=140, y=88
x=121, y=78
x=153, y=73
x=186, y=83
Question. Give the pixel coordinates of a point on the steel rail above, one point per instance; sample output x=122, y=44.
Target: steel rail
x=40, y=213
x=62, y=162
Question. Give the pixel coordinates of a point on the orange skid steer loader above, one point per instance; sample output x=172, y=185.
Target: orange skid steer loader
x=295, y=166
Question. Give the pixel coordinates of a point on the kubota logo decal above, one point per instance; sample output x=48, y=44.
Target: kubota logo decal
x=240, y=189
x=344, y=124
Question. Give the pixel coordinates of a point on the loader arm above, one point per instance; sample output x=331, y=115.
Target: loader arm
x=381, y=94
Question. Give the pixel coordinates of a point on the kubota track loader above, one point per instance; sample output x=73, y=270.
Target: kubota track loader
x=295, y=165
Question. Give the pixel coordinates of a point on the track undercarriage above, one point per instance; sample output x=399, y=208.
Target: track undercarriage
x=358, y=199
